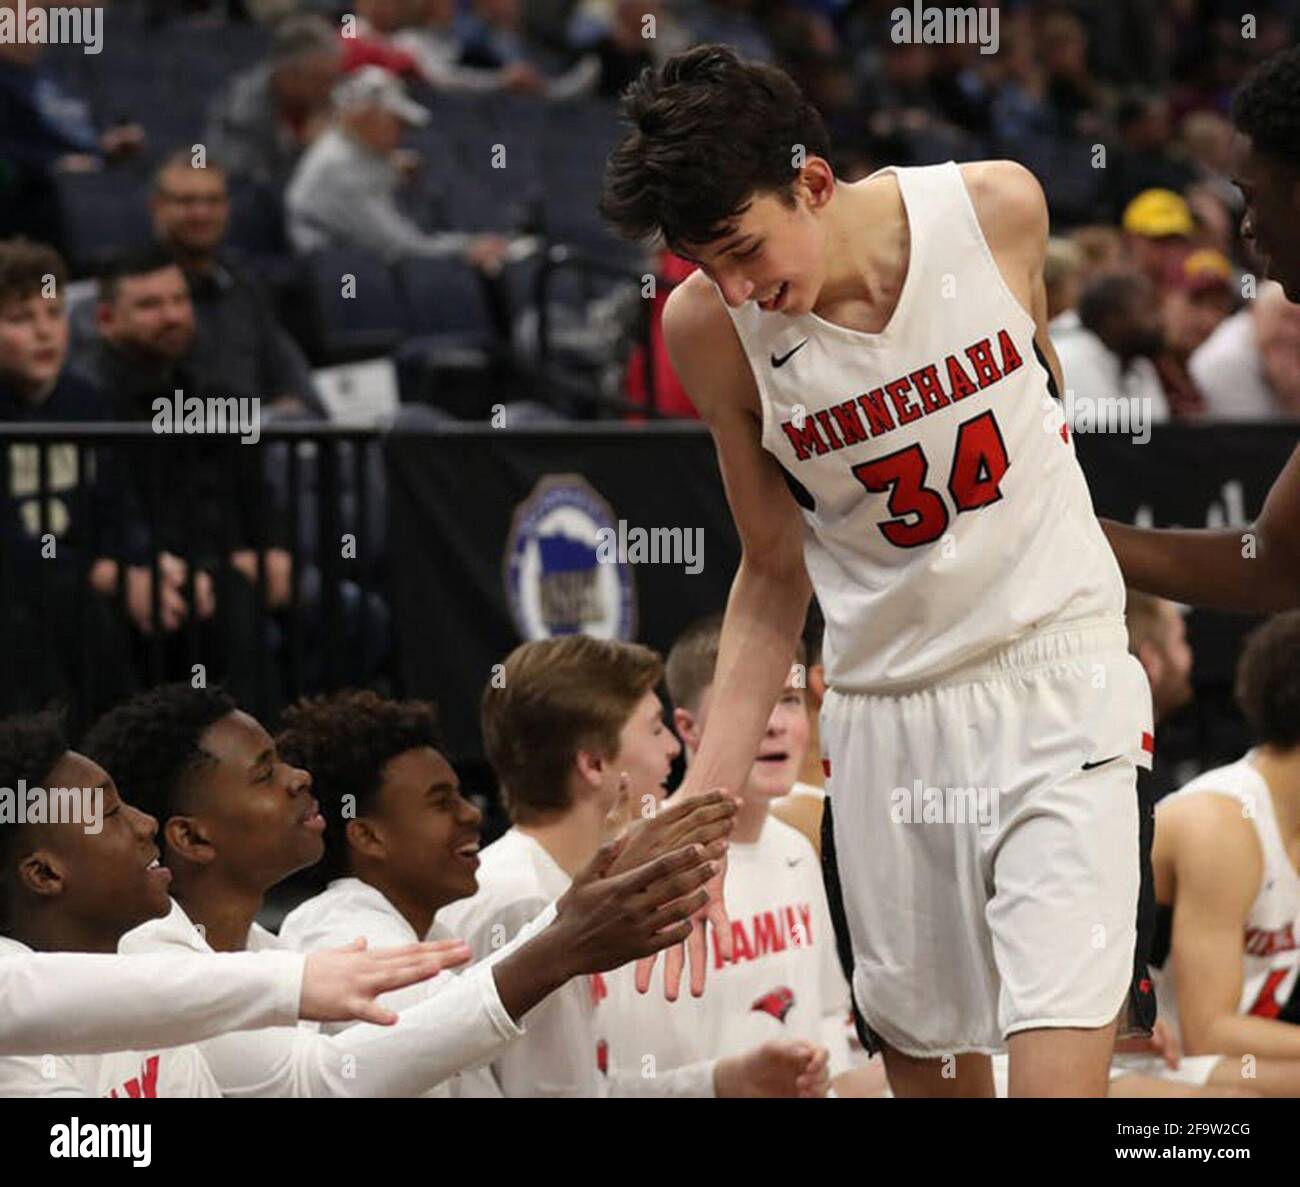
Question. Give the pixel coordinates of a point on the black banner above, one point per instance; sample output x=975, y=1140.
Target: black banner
x=494, y=533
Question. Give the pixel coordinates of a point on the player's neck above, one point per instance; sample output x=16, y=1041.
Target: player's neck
x=866, y=248
x=750, y=820
x=417, y=913
x=224, y=912
x=571, y=839
x=1281, y=771
x=58, y=934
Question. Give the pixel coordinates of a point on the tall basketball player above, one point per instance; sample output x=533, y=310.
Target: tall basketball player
x=1220, y=568
x=874, y=365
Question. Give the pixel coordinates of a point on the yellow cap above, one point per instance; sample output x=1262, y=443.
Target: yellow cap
x=1156, y=214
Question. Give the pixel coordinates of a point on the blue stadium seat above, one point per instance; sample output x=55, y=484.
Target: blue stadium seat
x=360, y=321
x=101, y=213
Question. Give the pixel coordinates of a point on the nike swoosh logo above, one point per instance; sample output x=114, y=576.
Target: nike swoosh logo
x=1101, y=762
x=781, y=360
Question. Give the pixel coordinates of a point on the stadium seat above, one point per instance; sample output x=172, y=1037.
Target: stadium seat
x=101, y=213
x=356, y=319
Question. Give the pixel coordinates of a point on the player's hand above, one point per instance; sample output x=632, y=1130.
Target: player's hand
x=714, y=913
x=697, y=820
x=779, y=1068
x=1163, y=1042
x=341, y=984
x=604, y=920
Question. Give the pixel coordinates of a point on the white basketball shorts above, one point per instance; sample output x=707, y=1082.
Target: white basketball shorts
x=986, y=841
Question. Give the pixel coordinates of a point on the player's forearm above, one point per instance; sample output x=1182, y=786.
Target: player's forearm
x=527, y=976
x=64, y=1002
x=765, y=615
x=1219, y=569
x=1244, y=1034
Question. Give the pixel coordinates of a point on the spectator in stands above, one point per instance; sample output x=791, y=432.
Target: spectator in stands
x=46, y=640
x=1249, y=368
x=1074, y=98
x=1062, y=276
x=45, y=130
x=1157, y=636
x=732, y=22
x=431, y=39
x=494, y=36
x=1102, y=248
x=1192, y=311
x=344, y=191
x=143, y=353
x=622, y=47
x=268, y=115
x=1107, y=356
x=1207, y=137
x=1140, y=161
x=244, y=350
x=368, y=41
x=1157, y=233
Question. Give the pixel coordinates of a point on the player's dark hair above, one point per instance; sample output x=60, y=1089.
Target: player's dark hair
x=135, y=261
x=345, y=741
x=1267, y=107
x=150, y=744
x=709, y=131
x=1108, y=296
x=1268, y=681
x=29, y=747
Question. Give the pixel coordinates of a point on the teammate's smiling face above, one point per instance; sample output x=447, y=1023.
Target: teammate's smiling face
x=773, y=252
x=421, y=831
x=1272, y=195
x=253, y=813
x=106, y=882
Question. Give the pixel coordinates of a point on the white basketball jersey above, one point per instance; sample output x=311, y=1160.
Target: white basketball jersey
x=945, y=510
x=1270, y=954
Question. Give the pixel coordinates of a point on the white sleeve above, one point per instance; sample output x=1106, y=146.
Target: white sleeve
x=85, y=1004
x=460, y=1026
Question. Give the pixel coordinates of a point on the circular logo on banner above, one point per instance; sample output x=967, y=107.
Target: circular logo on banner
x=555, y=585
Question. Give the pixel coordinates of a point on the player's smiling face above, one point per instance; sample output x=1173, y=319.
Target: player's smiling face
x=109, y=881
x=424, y=831
x=773, y=253
x=1272, y=195
x=253, y=812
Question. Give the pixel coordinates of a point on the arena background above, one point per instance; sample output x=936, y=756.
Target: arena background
x=464, y=433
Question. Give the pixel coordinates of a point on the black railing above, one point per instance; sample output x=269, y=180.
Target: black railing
x=129, y=558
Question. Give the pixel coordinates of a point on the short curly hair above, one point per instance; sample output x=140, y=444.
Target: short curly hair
x=29, y=747
x=1268, y=681
x=709, y=131
x=1267, y=107
x=345, y=740
x=150, y=744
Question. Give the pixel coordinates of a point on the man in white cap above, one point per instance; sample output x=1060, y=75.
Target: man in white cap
x=343, y=191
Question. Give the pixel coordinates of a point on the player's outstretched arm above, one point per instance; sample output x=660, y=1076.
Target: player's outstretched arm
x=58, y=1003
x=770, y=594
x=1256, y=570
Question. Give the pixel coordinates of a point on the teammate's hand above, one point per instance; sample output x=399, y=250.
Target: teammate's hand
x=714, y=912
x=341, y=984
x=779, y=1068
x=604, y=920
x=698, y=820
x=1163, y=1042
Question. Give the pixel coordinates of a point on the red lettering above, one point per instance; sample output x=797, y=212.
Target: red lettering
x=1010, y=355
x=824, y=419
x=740, y=946
x=962, y=385
x=981, y=357
x=768, y=937
x=850, y=423
x=927, y=385
x=896, y=392
x=806, y=439
x=879, y=418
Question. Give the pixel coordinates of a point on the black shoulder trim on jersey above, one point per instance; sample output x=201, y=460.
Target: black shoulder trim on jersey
x=1162, y=935
x=802, y=495
x=1051, y=379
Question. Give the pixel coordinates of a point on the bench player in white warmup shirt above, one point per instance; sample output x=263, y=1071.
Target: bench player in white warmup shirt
x=236, y=820
x=576, y=736
x=873, y=362
x=401, y=841
x=784, y=979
